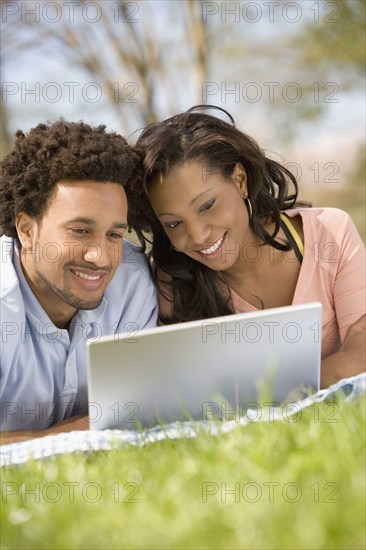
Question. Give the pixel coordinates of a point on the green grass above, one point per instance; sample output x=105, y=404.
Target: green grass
x=171, y=494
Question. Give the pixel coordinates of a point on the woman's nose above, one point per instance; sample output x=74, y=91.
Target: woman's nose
x=198, y=233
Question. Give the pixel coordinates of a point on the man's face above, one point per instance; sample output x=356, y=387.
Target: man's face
x=71, y=255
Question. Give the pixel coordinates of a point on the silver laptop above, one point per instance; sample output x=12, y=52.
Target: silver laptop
x=204, y=370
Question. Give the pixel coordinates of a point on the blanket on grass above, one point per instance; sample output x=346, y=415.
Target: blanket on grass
x=89, y=440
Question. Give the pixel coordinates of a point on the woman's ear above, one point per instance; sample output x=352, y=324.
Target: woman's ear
x=26, y=227
x=239, y=176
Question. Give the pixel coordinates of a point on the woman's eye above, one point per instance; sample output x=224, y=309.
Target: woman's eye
x=171, y=225
x=208, y=205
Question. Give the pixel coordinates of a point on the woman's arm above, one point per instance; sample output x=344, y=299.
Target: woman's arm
x=349, y=261
x=350, y=359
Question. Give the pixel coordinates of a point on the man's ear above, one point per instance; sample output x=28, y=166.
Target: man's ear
x=239, y=176
x=26, y=227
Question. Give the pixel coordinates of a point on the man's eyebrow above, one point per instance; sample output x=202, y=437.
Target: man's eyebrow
x=120, y=225
x=90, y=221
x=80, y=219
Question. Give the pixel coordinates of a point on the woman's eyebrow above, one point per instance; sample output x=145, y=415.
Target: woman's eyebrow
x=200, y=195
x=191, y=203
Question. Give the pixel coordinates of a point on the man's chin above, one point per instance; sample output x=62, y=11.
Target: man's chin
x=85, y=304
x=90, y=305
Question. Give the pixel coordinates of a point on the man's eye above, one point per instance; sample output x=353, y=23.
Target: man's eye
x=79, y=231
x=116, y=235
x=208, y=205
x=171, y=225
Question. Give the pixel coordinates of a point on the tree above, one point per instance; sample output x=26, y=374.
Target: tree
x=152, y=59
x=123, y=52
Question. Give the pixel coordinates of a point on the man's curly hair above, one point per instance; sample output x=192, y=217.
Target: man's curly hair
x=62, y=150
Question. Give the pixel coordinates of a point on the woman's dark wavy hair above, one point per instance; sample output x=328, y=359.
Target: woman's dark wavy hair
x=198, y=291
x=62, y=150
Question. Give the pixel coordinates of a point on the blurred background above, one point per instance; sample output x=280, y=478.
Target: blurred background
x=291, y=74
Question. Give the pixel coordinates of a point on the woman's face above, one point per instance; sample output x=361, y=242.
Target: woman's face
x=203, y=214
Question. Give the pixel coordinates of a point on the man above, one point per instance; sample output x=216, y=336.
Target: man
x=67, y=275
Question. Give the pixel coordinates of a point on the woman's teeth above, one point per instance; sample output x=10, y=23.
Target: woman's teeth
x=213, y=247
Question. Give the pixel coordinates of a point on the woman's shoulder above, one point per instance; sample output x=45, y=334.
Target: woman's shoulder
x=319, y=212
x=323, y=219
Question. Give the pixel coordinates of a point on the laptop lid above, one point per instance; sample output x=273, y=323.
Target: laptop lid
x=203, y=369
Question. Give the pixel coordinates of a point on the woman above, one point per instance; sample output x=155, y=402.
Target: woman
x=228, y=236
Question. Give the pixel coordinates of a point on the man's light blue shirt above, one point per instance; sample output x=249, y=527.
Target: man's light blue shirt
x=43, y=370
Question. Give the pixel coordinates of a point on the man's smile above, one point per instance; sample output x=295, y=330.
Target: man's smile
x=89, y=279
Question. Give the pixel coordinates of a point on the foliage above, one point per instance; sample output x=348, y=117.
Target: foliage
x=340, y=45
x=153, y=59
x=349, y=197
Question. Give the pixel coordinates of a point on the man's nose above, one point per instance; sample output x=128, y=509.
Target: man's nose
x=97, y=253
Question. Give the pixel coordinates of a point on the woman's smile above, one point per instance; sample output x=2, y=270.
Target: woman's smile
x=214, y=249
